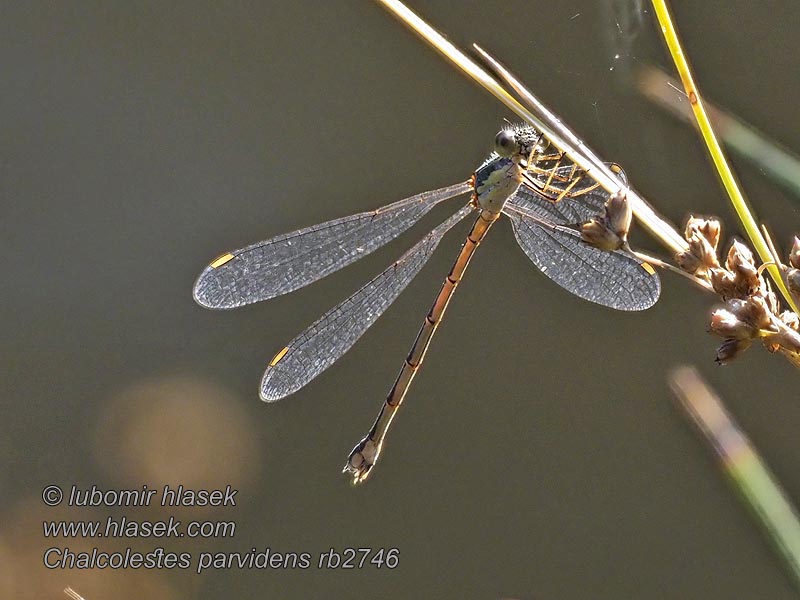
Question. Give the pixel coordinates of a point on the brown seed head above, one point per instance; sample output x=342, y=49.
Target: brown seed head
x=786, y=338
x=709, y=229
x=794, y=253
x=703, y=252
x=689, y=262
x=740, y=263
x=754, y=311
x=730, y=349
x=741, y=278
x=619, y=214
x=790, y=319
x=725, y=323
x=793, y=280
x=596, y=233
x=724, y=283
x=609, y=232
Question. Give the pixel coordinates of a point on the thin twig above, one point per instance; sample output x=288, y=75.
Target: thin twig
x=717, y=155
x=658, y=227
x=741, y=138
x=73, y=594
x=701, y=283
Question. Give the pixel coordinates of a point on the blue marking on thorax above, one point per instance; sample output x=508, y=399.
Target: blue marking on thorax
x=495, y=181
x=490, y=165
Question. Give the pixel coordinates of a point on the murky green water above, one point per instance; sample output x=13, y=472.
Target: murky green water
x=545, y=461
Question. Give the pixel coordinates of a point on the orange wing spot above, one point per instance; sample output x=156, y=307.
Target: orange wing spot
x=649, y=268
x=218, y=262
x=277, y=358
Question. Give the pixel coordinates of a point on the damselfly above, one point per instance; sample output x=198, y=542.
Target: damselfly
x=544, y=195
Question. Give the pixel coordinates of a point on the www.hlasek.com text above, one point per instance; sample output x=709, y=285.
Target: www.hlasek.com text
x=124, y=527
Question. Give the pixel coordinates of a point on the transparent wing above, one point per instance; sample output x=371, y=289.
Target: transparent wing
x=333, y=334
x=582, y=201
x=287, y=262
x=615, y=279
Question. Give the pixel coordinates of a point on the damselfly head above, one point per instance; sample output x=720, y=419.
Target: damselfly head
x=516, y=140
x=505, y=143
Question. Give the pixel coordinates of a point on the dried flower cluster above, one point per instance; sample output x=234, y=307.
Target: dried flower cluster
x=751, y=311
x=793, y=272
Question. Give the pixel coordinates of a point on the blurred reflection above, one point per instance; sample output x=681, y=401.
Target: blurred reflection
x=171, y=430
x=775, y=161
x=177, y=431
x=23, y=576
x=6, y=573
x=623, y=21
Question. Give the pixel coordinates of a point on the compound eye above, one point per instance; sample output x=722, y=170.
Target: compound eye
x=505, y=143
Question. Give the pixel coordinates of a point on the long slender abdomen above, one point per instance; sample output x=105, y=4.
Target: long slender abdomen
x=365, y=454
